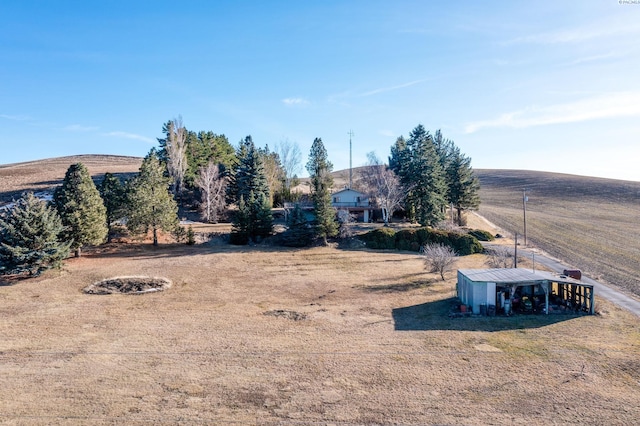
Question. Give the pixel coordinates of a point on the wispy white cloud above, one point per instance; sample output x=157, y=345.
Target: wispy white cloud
x=351, y=94
x=80, y=128
x=581, y=34
x=598, y=58
x=127, y=135
x=16, y=117
x=624, y=104
x=391, y=88
x=295, y=101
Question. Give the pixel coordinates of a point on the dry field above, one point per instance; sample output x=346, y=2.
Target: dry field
x=45, y=175
x=257, y=335
x=317, y=336
x=591, y=223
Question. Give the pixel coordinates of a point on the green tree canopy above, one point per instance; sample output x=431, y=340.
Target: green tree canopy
x=113, y=196
x=249, y=185
x=150, y=203
x=30, y=237
x=319, y=168
x=463, y=184
x=202, y=147
x=418, y=165
x=273, y=172
x=81, y=209
x=299, y=233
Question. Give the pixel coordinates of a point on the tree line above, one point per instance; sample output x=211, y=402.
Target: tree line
x=425, y=175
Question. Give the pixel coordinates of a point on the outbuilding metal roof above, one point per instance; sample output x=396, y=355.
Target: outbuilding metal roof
x=515, y=275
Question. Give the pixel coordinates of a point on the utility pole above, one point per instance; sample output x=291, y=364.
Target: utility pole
x=524, y=212
x=515, y=253
x=350, y=162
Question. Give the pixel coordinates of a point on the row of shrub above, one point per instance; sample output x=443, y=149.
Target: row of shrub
x=413, y=239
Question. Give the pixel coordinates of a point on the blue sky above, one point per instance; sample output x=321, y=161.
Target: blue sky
x=539, y=85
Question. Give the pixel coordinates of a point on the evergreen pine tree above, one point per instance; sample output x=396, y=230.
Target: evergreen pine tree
x=463, y=185
x=30, y=238
x=113, y=196
x=299, y=233
x=319, y=168
x=420, y=170
x=240, y=230
x=191, y=236
x=150, y=204
x=263, y=218
x=81, y=209
x=399, y=158
x=249, y=184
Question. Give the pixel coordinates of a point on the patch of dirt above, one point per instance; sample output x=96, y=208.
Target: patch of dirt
x=292, y=315
x=128, y=285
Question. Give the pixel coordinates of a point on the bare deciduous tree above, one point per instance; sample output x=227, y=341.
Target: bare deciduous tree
x=290, y=159
x=345, y=219
x=212, y=187
x=382, y=184
x=500, y=257
x=177, y=153
x=273, y=171
x=439, y=258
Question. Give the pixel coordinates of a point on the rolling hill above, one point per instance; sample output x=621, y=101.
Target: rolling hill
x=44, y=175
x=591, y=223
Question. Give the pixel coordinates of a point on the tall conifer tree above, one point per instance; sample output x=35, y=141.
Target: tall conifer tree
x=463, y=185
x=150, y=204
x=81, y=209
x=30, y=237
x=249, y=184
x=113, y=196
x=418, y=165
x=319, y=168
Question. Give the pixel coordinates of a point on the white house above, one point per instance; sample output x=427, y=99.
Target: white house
x=354, y=201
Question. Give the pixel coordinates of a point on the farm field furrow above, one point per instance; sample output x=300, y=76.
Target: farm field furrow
x=591, y=223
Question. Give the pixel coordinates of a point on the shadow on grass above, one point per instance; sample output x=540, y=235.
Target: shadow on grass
x=435, y=316
x=399, y=287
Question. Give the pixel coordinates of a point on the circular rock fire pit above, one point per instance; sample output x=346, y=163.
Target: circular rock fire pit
x=128, y=285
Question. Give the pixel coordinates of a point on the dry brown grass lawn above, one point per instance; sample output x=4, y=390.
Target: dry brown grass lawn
x=269, y=336
x=376, y=346
x=591, y=223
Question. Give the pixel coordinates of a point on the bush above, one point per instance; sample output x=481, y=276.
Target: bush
x=191, y=236
x=481, y=235
x=382, y=238
x=179, y=234
x=413, y=239
x=239, y=238
x=300, y=233
x=407, y=239
x=464, y=244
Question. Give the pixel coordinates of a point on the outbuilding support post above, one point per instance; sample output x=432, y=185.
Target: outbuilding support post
x=545, y=287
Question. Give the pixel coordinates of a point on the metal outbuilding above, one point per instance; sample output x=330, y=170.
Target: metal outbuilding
x=497, y=290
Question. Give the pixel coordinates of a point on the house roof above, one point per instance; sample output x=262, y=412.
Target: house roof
x=516, y=275
x=349, y=189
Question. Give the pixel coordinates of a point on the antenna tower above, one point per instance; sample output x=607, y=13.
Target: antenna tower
x=350, y=158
